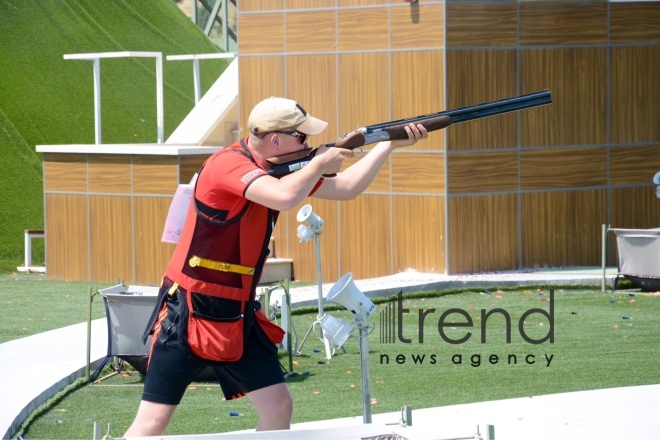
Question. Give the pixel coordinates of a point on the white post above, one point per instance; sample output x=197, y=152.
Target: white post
x=97, y=101
x=196, y=80
x=319, y=284
x=96, y=59
x=225, y=25
x=159, y=97
x=603, y=255
x=196, y=75
x=28, y=250
x=366, y=381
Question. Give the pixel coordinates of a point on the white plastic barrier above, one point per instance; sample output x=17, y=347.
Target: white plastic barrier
x=639, y=256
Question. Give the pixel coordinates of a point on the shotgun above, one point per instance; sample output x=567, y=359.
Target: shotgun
x=371, y=134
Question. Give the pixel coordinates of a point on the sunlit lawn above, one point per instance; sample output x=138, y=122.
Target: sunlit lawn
x=601, y=340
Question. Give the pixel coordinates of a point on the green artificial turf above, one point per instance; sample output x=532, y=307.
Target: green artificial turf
x=32, y=304
x=601, y=340
x=47, y=100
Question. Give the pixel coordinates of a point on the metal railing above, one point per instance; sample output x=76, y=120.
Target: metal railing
x=218, y=12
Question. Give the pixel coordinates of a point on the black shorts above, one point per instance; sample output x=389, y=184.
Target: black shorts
x=171, y=370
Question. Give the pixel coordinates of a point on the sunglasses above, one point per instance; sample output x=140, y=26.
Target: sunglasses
x=302, y=137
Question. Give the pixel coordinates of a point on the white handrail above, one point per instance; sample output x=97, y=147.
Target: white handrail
x=96, y=58
x=195, y=59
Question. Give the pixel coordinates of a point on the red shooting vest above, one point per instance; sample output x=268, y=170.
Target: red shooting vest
x=237, y=242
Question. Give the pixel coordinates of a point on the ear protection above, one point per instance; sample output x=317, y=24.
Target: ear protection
x=277, y=142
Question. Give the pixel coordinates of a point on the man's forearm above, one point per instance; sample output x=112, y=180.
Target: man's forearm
x=357, y=178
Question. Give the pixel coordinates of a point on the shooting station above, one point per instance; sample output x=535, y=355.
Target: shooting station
x=476, y=188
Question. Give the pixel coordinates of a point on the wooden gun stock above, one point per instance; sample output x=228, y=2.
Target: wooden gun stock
x=358, y=139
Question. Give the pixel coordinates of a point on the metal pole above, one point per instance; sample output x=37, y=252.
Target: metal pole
x=97, y=101
x=289, y=324
x=603, y=255
x=196, y=80
x=225, y=26
x=366, y=382
x=159, y=97
x=28, y=251
x=317, y=241
x=89, y=335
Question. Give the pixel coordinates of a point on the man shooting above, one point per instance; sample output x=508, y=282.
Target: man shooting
x=206, y=313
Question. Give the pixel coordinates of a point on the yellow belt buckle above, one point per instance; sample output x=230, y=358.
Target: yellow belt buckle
x=173, y=289
x=193, y=262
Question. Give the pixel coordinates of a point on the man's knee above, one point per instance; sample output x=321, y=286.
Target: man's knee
x=285, y=405
x=275, y=400
x=281, y=404
x=151, y=419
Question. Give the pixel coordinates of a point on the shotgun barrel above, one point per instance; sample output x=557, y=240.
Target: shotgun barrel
x=288, y=163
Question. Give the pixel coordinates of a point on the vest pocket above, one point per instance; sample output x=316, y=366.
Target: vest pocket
x=215, y=327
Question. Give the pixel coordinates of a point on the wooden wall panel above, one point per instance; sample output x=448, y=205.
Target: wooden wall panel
x=418, y=91
x=634, y=208
x=382, y=182
x=365, y=237
x=310, y=4
x=281, y=233
x=346, y=3
x=363, y=78
x=549, y=23
x=312, y=70
x=563, y=228
x=418, y=173
x=260, y=5
x=563, y=168
x=417, y=30
x=635, y=22
x=634, y=165
x=311, y=31
x=67, y=237
x=482, y=172
x=635, y=94
x=482, y=24
x=494, y=71
x=418, y=224
x=65, y=172
x=577, y=80
x=111, y=238
x=189, y=165
x=362, y=29
x=155, y=175
x=304, y=254
x=260, y=33
x=254, y=86
x=151, y=255
x=483, y=233
x=109, y=174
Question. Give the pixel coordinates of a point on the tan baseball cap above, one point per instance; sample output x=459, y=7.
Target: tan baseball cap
x=274, y=114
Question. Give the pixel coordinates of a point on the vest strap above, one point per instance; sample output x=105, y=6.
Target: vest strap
x=196, y=261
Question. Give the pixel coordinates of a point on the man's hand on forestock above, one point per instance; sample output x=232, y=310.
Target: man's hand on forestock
x=415, y=133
